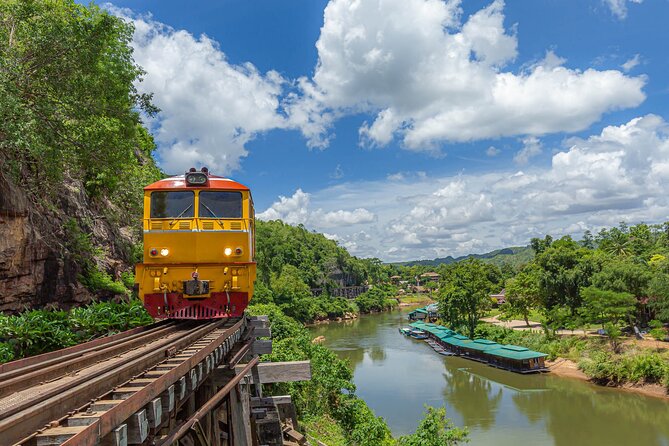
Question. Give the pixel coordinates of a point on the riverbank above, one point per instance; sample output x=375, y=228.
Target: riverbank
x=397, y=375
x=638, y=366
x=566, y=368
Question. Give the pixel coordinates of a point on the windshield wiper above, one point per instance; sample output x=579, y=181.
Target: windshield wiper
x=210, y=211
x=182, y=213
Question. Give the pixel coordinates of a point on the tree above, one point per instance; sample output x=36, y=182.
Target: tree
x=564, y=268
x=435, y=430
x=466, y=295
x=539, y=246
x=588, y=241
x=523, y=294
x=292, y=295
x=608, y=308
x=68, y=100
x=605, y=306
x=623, y=275
x=658, y=290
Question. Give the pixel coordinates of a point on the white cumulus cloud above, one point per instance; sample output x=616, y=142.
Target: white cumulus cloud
x=210, y=108
x=295, y=210
x=427, y=77
x=619, y=7
x=631, y=63
x=618, y=174
x=531, y=148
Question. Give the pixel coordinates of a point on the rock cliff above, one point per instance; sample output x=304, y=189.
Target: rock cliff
x=37, y=266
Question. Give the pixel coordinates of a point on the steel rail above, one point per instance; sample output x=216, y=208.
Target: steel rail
x=23, y=378
x=116, y=416
x=209, y=405
x=40, y=410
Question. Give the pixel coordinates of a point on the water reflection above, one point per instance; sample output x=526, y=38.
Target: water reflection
x=398, y=375
x=475, y=398
x=578, y=414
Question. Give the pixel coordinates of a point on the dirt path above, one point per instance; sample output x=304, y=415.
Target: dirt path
x=514, y=324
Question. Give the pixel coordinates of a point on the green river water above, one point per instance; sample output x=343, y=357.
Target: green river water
x=397, y=376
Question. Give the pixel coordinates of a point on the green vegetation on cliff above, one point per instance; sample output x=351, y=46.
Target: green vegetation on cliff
x=292, y=261
x=74, y=154
x=68, y=104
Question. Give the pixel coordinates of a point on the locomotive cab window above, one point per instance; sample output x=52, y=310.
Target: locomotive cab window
x=173, y=204
x=220, y=204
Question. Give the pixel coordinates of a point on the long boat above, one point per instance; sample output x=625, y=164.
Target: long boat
x=405, y=330
x=508, y=357
x=418, y=334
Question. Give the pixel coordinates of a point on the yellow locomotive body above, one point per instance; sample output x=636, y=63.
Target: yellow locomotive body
x=199, y=247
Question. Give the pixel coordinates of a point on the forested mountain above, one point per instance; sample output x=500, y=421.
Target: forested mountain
x=515, y=256
x=319, y=260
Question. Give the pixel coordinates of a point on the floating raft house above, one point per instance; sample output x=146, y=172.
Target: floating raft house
x=508, y=357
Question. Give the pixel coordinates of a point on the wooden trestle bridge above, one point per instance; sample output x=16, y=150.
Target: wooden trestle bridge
x=349, y=292
x=170, y=383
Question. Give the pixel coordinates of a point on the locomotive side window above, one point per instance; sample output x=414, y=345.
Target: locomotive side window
x=172, y=204
x=220, y=204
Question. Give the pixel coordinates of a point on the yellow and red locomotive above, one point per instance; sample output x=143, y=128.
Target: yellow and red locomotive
x=199, y=247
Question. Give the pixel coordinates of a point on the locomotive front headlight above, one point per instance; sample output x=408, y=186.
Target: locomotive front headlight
x=196, y=178
x=227, y=251
x=164, y=252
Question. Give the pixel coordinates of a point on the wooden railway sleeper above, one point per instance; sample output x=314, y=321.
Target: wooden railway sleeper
x=146, y=421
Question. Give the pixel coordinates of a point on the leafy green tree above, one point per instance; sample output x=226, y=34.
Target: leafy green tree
x=293, y=295
x=523, y=294
x=615, y=241
x=658, y=290
x=606, y=306
x=588, y=241
x=539, y=246
x=609, y=308
x=623, y=275
x=465, y=296
x=68, y=101
x=565, y=267
x=435, y=429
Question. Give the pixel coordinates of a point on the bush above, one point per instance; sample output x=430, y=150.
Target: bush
x=96, y=280
x=330, y=392
x=6, y=352
x=641, y=367
x=376, y=299
x=128, y=279
x=659, y=334
x=40, y=331
x=435, y=430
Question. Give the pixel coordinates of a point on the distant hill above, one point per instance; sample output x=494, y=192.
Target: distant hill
x=515, y=256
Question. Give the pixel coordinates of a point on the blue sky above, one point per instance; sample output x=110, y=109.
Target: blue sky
x=409, y=129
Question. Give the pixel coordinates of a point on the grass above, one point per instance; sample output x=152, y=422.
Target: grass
x=324, y=429
x=493, y=312
x=416, y=299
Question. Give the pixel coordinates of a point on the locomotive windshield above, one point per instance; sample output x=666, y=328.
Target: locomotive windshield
x=172, y=204
x=220, y=204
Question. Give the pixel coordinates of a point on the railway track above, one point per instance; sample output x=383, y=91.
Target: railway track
x=117, y=390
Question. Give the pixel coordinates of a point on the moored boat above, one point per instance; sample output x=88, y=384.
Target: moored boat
x=418, y=334
x=405, y=330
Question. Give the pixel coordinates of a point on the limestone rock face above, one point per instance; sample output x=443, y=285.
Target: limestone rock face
x=36, y=268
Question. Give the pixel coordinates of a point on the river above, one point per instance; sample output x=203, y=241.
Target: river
x=397, y=376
